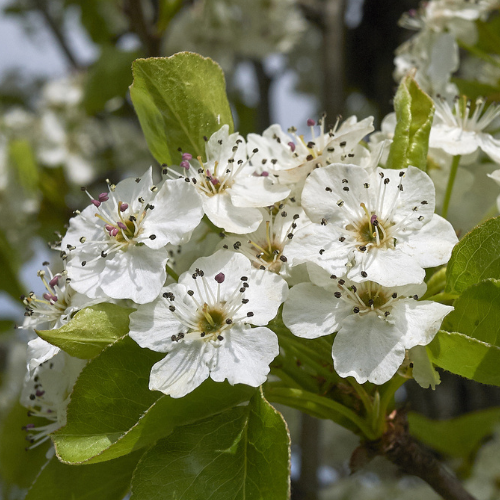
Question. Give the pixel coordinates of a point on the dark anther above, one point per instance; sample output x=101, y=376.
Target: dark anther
x=250, y=314
x=364, y=274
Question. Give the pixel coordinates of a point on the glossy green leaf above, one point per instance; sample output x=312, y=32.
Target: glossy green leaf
x=112, y=411
x=179, y=100
x=241, y=454
x=466, y=356
x=456, y=437
x=109, y=77
x=475, y=258
x=414, y=113
x=477, y=313
x=107, y=481
x=19, y=466
x=91, y=330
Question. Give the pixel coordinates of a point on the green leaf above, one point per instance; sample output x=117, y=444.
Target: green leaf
x=90, y=331
x=414, y=113
x=109, y=77
x=179, y=100
x=241, y=454
x=477, y=313
x=475, y=257
x=19, y=466
x=108, y=481
x=456, y=437
x=465, y=356
x=112, y=411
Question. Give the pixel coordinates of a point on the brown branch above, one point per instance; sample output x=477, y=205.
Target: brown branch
x=308, y=486
x=333, y=58
x=139, y=25
x=42, y=7
x=264, y=109
x=402, y=450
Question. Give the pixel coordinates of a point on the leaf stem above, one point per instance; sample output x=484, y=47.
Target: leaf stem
x=394, y=384
x=449, y=187
x=172, y=273
x=365, y=398
x=296, y=398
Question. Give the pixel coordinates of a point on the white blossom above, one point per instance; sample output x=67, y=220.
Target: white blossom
x=229, y=190
x=57, y=305
x=46, y=393
x=291, y=158
x=457, y=131
x=204, y=324
x=265, y=247
x=117, y=244
x=455, y=16
x=374, y=324
x=377, y=226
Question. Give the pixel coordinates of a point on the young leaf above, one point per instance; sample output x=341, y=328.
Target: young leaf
x=414, y=112
x=465, y=356
x=477, y=313
x=108, y=481
x=179, y=100
x=475, y=257
x=456, y=437
x=240, y=454
x=112, y=411
x=90, y=331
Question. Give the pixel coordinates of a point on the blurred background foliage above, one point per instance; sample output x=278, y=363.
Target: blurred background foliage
x=284, y=61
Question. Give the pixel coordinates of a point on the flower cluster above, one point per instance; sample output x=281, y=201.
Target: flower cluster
x=314, y=224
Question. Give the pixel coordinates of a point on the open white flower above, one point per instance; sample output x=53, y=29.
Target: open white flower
x=291, y=158
x=52, y=310
x=457, y=131
x=374, y=324
x=377, y=226
x=456, y=16
x=117, y=244
x=229, y=190
x=46, y=393
x=204, y=324
x=266, y=247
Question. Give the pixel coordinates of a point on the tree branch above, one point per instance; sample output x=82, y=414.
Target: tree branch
x=42, y=7
x=402, y=450
x=138, y=24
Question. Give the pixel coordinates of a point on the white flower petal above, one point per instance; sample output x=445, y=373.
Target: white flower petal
x=220, y=210
x=245, y=355
x=311, y=312
x=420, y=320
x=389, y=267
x=256, y=192
x=182, y=370
x=145, y=323
x=431, y=246
x=423, y=372
x=177, y=212
x=137, y=274
x=368, y=348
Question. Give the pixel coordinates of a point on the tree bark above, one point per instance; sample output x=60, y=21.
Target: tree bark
x=333, y=58
x=404, y=451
